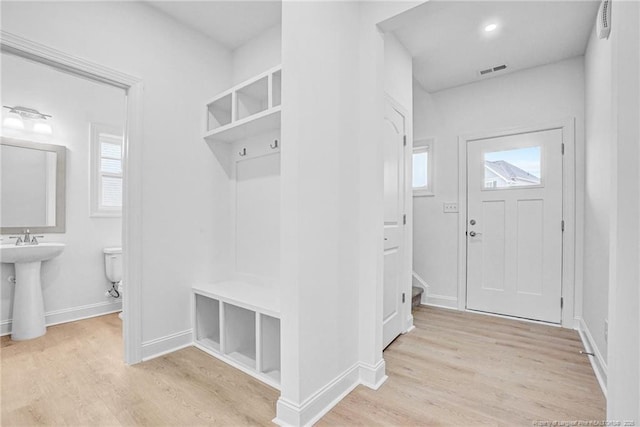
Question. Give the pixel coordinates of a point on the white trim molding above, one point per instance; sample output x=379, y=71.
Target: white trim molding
x=132, y=168
x=597, y=361
x=569, y=286
x=71, y=314
x=317, y=405
x=442, y=301
x=167, y=344
x=373, y=376
x=434, y=300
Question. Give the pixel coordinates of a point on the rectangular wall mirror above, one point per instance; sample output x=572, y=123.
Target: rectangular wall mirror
x=33, y=177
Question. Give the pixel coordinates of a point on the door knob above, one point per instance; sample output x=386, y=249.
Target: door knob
x=474, y=234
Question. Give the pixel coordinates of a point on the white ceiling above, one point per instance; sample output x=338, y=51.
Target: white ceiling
x=449, y=45
x=230, y=23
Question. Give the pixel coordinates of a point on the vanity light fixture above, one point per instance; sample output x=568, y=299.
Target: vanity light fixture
x=17, y=115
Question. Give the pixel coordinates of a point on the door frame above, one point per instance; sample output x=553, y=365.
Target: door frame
x=132, y=167
x=407, y=203
x=570, y=293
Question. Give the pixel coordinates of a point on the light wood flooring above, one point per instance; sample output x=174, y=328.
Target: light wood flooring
x=466, y=369
x=453, y=369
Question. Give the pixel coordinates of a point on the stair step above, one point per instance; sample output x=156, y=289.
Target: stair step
x=416, y=296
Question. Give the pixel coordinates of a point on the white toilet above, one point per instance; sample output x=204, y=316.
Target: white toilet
x=113, y=268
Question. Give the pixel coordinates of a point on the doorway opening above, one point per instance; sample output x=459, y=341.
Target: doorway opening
x=129, y=89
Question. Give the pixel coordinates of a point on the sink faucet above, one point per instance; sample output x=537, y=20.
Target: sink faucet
x=27, y=239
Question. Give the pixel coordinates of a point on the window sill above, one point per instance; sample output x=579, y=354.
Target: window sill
x=106, y=214
x=423, y=193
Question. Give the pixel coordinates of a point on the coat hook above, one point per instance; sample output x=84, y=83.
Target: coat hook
x=243, y=152
x=274, y=145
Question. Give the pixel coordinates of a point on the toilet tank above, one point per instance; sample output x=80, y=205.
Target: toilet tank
x=113, y=264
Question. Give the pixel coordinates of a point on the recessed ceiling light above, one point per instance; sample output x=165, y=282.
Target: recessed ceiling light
x=490, y=27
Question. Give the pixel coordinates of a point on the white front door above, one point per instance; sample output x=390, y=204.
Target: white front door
x=394, y=133
x=514, y=225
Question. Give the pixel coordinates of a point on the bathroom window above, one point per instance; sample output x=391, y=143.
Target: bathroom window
x=423, y=168
x=106, y=173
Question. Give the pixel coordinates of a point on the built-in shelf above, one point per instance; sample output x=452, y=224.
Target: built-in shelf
x=245, y=128
x=247, y=109
x=238, y=322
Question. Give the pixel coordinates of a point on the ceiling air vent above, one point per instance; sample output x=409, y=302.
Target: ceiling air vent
x=487, y=71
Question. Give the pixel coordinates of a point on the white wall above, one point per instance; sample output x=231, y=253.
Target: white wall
x=332, y=204
x=597, y=208
x=262, y=52
x=623, y=380
x=543, y=94
x=185, y=191
x=371, y=99
x=319, y=293
x=398, y=71
x=76, y=279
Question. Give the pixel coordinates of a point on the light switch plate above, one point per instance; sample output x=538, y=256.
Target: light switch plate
x=450, y=207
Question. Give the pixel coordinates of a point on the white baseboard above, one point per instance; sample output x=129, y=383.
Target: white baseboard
x=373, y=376
x=71, y=314
x=409, y=324
x=314, y=407
x=167, y=344
x=597, y=362
x=442, y=301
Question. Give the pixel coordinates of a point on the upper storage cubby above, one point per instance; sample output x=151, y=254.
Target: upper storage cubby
x=247, y=109
x=219, y=112
x=252, y=99
x=277, y=88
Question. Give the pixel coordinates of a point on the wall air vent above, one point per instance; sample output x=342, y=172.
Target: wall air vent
x=604, y=19
x=487, y=71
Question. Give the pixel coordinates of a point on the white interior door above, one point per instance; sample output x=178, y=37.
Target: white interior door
x=514, y=225
x=394, y=134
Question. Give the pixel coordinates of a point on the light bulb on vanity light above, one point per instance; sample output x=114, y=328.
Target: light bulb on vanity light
x=42, y=127
x=13, y=121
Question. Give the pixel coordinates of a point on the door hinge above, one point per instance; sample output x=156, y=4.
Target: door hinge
x=403, y=297
x=404, y=219
x=562, y=149
x=404, y=140
x=561, y=302
x=562, y=225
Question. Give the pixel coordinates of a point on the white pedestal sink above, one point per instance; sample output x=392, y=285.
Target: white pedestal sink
x=28, y=305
